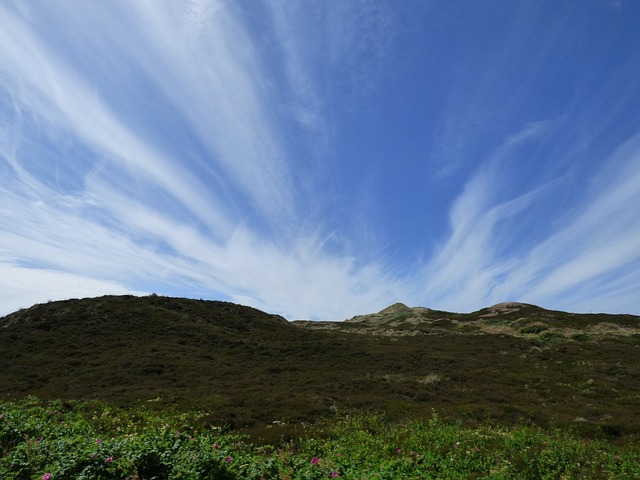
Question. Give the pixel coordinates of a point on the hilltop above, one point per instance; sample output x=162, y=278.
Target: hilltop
x=520, y=320
x=510, y=362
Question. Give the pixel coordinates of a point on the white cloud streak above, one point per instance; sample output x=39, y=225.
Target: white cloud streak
x=61, y=97
x=21, y=287
x=172, y=124
x=115, y=231
x=572, y=266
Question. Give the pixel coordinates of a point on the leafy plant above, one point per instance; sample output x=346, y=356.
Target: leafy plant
x=534, y=329
x=52, y=441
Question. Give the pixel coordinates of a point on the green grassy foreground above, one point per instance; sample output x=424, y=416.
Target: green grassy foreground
x=91, y=440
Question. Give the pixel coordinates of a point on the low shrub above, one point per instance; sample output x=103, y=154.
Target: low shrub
x=533, y=329
x=51, y=441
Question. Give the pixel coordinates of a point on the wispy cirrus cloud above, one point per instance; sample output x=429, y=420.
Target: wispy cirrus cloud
x=583, y=256
x=22, y=287
x=226, y=149
x=215, y=209
x=600, y=242
x=471, y=261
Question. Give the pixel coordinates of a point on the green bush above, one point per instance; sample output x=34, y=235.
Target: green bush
x=580, y=337
x=97, y=441
x=535, y=329
x=551, y=337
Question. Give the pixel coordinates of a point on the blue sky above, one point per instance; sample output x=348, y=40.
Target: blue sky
x=322, y=159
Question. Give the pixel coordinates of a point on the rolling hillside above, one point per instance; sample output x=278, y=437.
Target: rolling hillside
x=507, y=363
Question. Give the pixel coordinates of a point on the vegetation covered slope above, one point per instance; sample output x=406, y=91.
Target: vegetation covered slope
x=508, y=363
x=519, y=320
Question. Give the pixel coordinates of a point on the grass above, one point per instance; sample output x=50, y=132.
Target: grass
x=94, y=440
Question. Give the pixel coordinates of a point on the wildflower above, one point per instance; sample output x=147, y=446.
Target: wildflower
x=98, y=441
x=109, y=459
x=335, y=474
x=229, y=458
x=398, y=450
x=315, y=460
x=46, y=476
x=215, y=445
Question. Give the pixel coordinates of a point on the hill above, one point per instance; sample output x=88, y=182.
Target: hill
x=518, y=320
x=511, y=362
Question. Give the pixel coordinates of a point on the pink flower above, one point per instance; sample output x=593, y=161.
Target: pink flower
x=109, y=459
x=314, y=460
x=98, y=441
x=215, y=445
x=398, y=450
x=229, y=458
x=335, y=474
x=46, y=476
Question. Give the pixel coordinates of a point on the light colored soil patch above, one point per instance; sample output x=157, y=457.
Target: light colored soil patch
x=504, y=308
x=430, y=379
x=496, y=329
x=612, y=329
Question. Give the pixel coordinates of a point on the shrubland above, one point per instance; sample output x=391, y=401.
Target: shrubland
x=56, y=440
x=156, y=387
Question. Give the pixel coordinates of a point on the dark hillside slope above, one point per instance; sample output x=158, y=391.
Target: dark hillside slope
x=215, y=354
x=244, y=365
